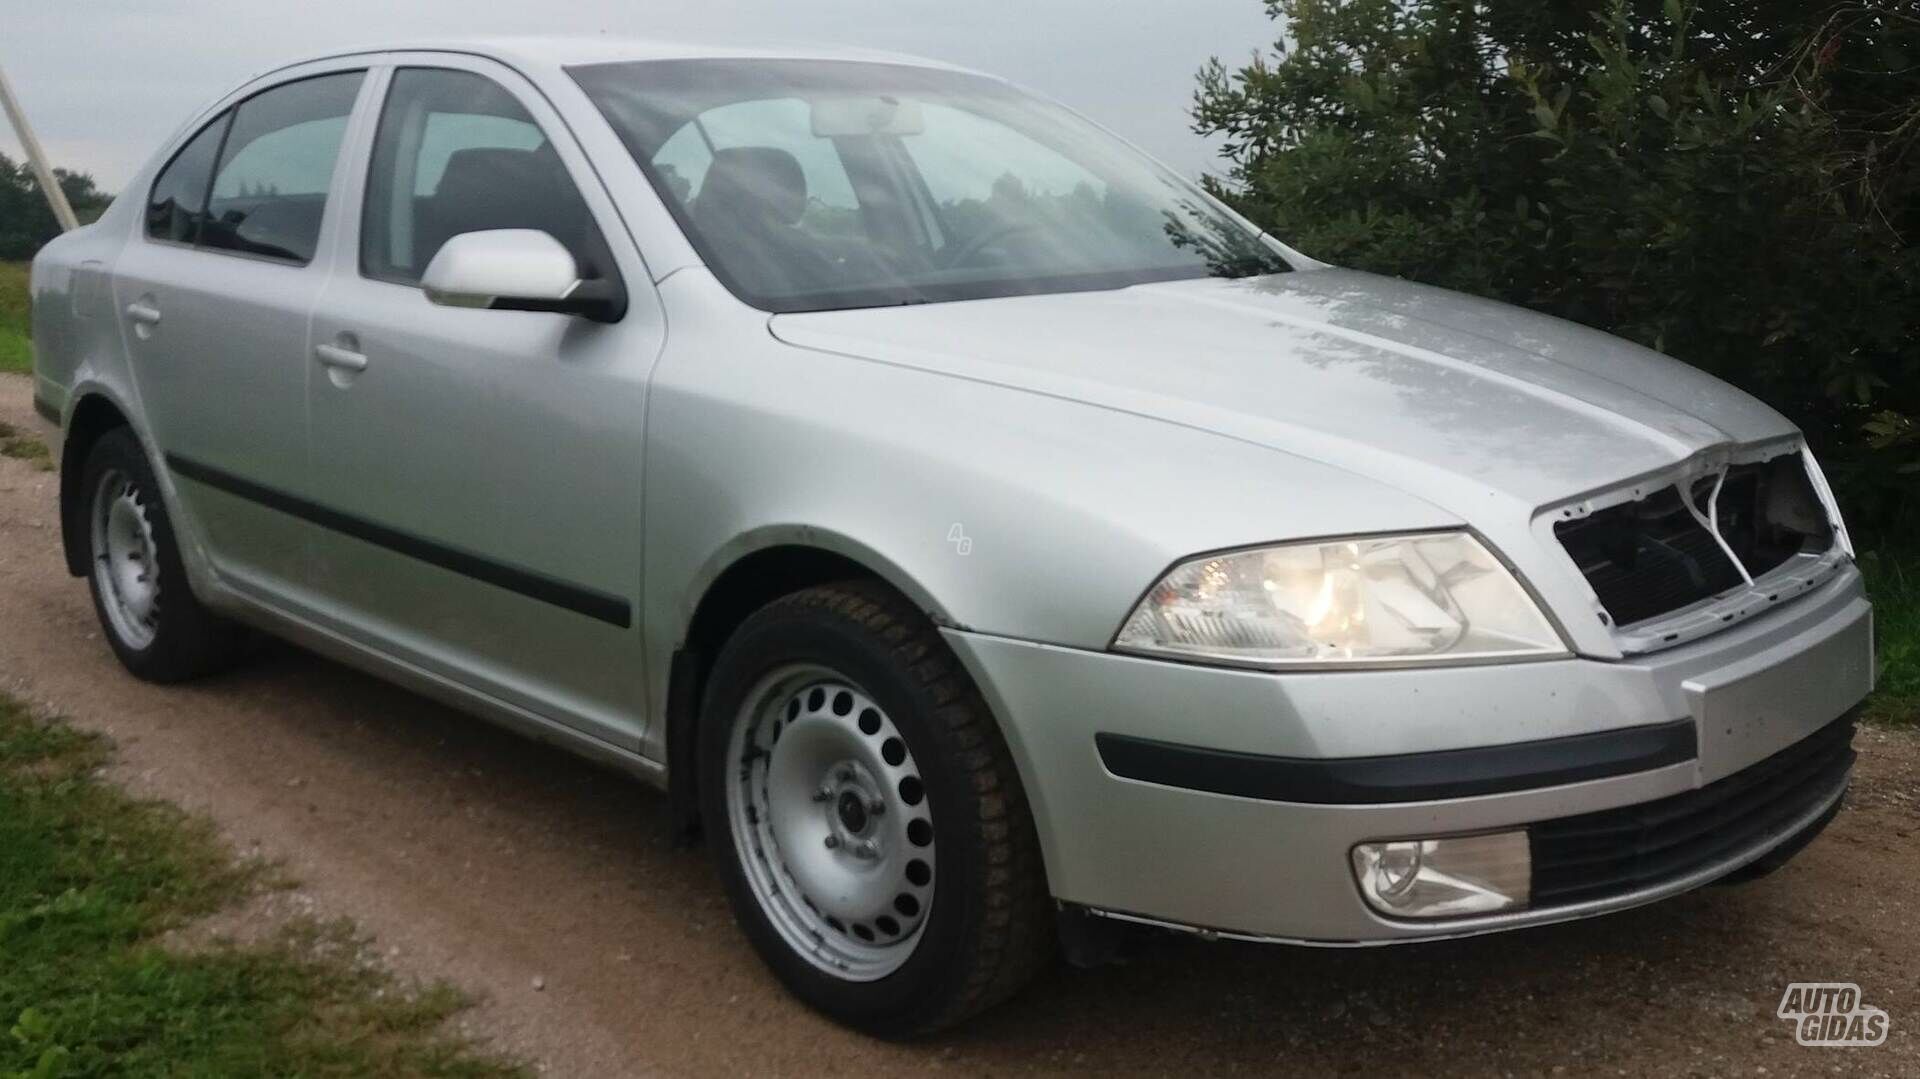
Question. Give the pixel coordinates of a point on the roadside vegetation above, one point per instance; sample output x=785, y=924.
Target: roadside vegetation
x=91, y=883
x=26, y=221
x=26, y=447
x=1894, y=582
x=15, y=351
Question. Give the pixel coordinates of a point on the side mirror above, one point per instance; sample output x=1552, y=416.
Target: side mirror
x=516, y=270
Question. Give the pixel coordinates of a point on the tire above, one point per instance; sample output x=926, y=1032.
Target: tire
x=844, y=695
x=146, y=607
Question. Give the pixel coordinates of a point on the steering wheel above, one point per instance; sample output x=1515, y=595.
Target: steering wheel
x=981, y=242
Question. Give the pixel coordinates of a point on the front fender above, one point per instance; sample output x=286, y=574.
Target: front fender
x=998, y=510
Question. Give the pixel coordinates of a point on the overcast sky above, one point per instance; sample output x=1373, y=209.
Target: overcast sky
x=105, y=81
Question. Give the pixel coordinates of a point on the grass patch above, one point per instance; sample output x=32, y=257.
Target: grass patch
x=1893, y=582
x=26, y=447
x=91, y=878
x=16, y=325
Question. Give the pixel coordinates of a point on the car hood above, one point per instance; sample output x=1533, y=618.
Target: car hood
x=1450, y=397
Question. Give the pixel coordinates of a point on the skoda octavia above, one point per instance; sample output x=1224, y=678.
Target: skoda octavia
x=986, y=537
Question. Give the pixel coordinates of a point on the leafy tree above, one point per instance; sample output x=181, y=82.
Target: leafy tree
x=1735, y=182
x=26, y=221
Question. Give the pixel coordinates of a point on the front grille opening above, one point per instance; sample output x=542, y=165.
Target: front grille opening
x=1651, y=557
x=1769, y=513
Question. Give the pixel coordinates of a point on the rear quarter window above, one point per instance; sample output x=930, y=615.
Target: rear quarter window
x=178, y=200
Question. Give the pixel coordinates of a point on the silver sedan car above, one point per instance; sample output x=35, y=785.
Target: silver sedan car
x=990, y=541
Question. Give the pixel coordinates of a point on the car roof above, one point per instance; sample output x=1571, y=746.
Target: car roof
x=563, y=51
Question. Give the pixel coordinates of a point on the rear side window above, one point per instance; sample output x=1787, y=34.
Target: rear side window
x=179, y=197
x=457, y=153
x=270, y=189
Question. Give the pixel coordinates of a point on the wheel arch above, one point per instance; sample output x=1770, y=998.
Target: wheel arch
x=748, y=574
x=92, y=415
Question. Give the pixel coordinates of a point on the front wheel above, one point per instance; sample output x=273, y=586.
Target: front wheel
x=866, y=816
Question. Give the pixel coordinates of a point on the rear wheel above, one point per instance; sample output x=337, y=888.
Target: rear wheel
x=866, y=817
x=158, y=629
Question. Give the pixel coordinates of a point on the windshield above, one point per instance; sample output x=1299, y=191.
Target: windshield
x=818, y=185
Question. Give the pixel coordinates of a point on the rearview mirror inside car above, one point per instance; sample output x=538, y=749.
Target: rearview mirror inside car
x=851, y=117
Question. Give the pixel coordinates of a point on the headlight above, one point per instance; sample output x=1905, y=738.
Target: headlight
x=1435, y=597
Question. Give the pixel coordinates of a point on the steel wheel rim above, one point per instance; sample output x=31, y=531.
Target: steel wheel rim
x=126, y=566
x=831, y=822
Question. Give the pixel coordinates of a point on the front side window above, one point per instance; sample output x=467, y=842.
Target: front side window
x=178, y=200
x=270, y=189
x=815, y=185
x=457, y=153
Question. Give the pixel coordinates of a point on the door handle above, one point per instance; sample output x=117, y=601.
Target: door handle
x=144, y=313
x=344, y=359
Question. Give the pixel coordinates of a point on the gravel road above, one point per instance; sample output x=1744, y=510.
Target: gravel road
x=548, y=887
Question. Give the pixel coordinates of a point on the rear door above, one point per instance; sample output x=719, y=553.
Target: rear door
x=215, y=297
x=483, y=468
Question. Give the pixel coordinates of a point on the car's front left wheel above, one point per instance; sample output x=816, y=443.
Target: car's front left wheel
x=865, y=814
x=150, y=615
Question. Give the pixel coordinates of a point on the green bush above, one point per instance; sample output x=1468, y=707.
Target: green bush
x=1893, y=579
x=26, y=221
x=16, y=350
x=1734, y=183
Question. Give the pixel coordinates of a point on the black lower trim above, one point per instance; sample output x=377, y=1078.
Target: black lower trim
x=1778, y=857
x=1630, y=848
x=1410, y=777
x=46, y=410
x=596, y=605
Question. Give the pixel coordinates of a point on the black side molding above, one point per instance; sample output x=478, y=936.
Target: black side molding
x=1410, y=777
x=600, y=606
x=46, y=410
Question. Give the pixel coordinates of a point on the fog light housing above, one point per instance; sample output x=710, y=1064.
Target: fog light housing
x=1445, y=878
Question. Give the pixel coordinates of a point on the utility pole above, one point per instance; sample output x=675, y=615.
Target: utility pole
x=49, y=185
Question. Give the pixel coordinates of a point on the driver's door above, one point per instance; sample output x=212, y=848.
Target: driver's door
x=479, y=470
